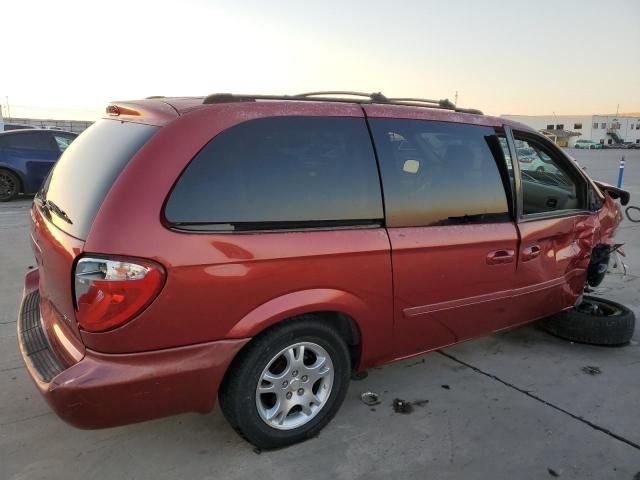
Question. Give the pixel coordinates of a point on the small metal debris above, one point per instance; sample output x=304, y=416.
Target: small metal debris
x=446, y=387
x=591, y=370
x=370, y=398
x=402, y=406
x=552, y=472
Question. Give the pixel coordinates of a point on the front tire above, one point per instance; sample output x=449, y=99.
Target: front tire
x=287, y=384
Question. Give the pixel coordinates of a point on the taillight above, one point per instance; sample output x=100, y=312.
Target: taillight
x=110, y=292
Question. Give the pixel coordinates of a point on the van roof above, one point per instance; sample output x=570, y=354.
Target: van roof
x=160, y=110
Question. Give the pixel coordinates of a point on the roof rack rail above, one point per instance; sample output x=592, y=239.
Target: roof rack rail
x=339, y=96
x=443, y=103
x=373, y=97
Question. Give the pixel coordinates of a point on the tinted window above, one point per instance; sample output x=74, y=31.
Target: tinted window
x=548, y=181
x=86, y=170
x=28, y=141
x=281, y=172
x=437, y=173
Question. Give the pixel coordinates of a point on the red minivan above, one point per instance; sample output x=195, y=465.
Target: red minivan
x=259, y=249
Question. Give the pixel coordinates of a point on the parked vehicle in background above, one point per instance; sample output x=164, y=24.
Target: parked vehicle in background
x=618, y=146
x=26, y=157
x=532, y=159
x=6, y=127
x=587, y=144
x=240, y=248
x=525, y=155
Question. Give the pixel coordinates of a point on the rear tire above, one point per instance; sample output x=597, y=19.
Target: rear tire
x=275, y=393
x=9, y=185
x=596, y=321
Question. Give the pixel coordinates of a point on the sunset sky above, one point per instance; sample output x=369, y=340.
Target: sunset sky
x=68, y=59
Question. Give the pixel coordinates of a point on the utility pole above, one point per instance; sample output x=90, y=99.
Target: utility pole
x=455, y=101
x=8, y=108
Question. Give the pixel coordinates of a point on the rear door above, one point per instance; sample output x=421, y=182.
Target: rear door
x=452, y=236
x=555, y=226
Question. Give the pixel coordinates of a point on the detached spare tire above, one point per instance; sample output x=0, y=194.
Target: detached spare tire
x=595, y=321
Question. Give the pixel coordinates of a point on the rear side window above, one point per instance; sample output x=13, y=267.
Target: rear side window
x=29, y=141
x=437, y=173
x=81, y=179
x=281, y=173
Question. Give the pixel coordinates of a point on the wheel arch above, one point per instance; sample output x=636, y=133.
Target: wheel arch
x=343, y=310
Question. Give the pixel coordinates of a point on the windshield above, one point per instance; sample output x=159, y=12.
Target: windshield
x=81, y=179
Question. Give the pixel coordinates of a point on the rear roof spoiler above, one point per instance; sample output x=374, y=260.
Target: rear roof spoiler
x=614, y=192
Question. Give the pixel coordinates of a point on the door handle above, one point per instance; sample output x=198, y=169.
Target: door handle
x=530, y=253
x=500, y=257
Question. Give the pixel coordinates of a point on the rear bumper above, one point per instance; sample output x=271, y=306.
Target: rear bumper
x=105, y=390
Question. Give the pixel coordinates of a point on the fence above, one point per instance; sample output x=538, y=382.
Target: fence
x=75, y=126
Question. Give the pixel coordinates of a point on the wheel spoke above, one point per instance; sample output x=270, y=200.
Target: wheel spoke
x=318, y=369
x=271, y=378
x=267, y=388
x=284, y=413
x=274, y=411
x=300, y=356
x=291, y=358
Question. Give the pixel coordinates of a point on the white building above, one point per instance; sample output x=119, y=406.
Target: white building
x=605, y=129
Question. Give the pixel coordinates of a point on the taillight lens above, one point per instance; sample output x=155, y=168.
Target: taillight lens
x=110, y=292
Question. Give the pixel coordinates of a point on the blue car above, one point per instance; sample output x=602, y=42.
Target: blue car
x=26, y=157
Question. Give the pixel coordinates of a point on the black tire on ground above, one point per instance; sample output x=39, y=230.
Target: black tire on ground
x=237, y=395
x=9, y=185
x=596, y=321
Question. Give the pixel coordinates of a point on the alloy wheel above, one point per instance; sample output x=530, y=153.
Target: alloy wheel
x=294, y=386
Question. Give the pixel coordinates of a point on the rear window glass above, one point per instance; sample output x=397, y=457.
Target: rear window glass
x=281, y=172
x=438, y=173
x=79, y=182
